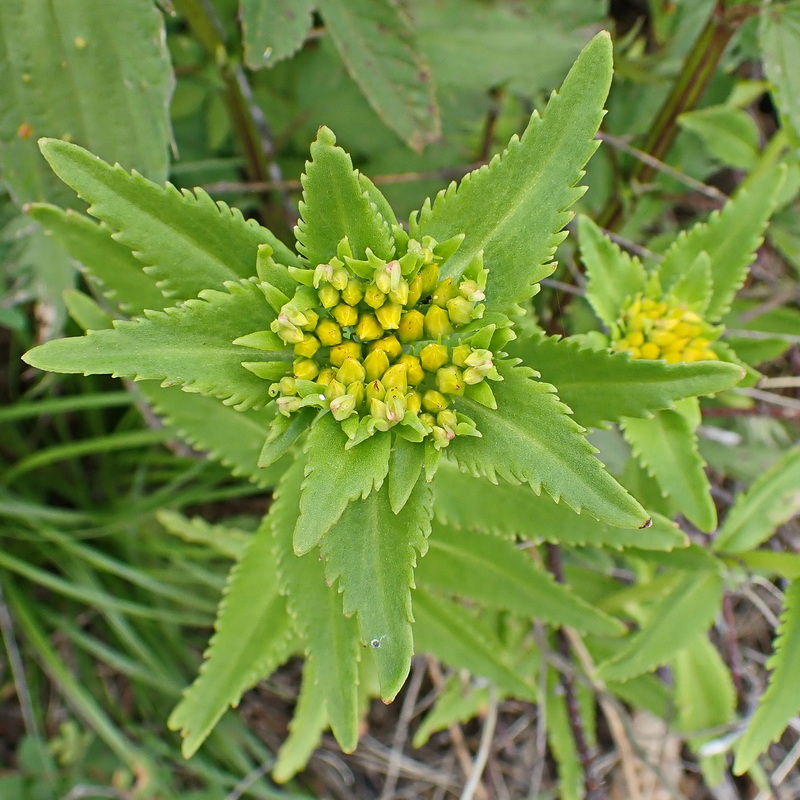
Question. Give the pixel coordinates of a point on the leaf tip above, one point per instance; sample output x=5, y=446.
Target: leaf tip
x=325, y=136
x=648, y=524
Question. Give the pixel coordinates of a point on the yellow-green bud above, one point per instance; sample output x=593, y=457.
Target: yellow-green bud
x=287, y=386
x=434, y=401
x=286, y=405
x=294, y=315
x=449, y=380
x=313, y=319
x=414, y=291
x=460, y=310
x=415, y=372
x=460, y=353
x=395, y=404
x=389, y=344
x=353, y=293
x=414, y=402
x=479, y=365
x=368, y=328
x=374, y=297
x=335, y=389
x=322, y=274
x=356, y=389
x=389, y=315
x=376, y=363
x=340, y=278
x=445, y=291
x=340, y=352
x=326, y=376
x=286, y=329
x=473, y=376
x=377, y=410
x=437, y=323
x=442, y=436
x=351, y=371
x=428, y=420
x=345, y=315
x=328, y=296
x=472, y=291
x=411, y=326
x=447, y=419
x=400, y=294
x=375, y=390
x=429, y=276
x=329, y=332
x=308, y=346
x=343, y=407
x=396, y=377
x=305, y=368
x=433, y=356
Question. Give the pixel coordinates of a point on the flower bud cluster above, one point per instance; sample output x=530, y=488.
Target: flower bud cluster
x=653, y=329
x=370, y=344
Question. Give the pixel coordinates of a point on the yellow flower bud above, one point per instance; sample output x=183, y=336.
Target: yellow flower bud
x=413, y=367
x=374, y=297
x=428, y=420
x=305, y=368
x=449, y=380
x=351, y=371
x=328, y=296
x=433, y=356
x=434, y=401
x=343, y=407
x=368, y=328
x=460, y=310
x=650, y=351
x=353, y=293
x=395, y=404
x=414, y=402
x=345, y=315
x=376, y=363
x=347, y=349
x=400, y=294
x=429, y=276
x=389, y=315
x=356, y=389
x=414, y=291
x=329, y=332
x=335, y=389
x=396, y=377
x=308, y=346
x=411, y=326
x=447, y=419
x=437, y=322
x=445, y=291
x=459, y=355
x=286, y=329
x=375, y=390
x=340, y=278
x=287, y=386
x=389, y=344
x=326, y=376
x=472, y=291
x=286, y=405
x=312, y=319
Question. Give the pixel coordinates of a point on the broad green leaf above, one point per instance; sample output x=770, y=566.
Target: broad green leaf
x=274, y=30
x=306, y=728
x=253, y=636
x=781, y=701
x=772, y=500
x=95, y=74
x=675, y=620
x=189, y=241
x=334, y=205
x=600, y=386
x=456, y=636
x=667, y=447
x=514, y=209
x=531, y=439
x=330, y=640
x=378, y=48
x=406, y=464
x=190, y=345
x=86, y=311
x=494, y=573
x=335, y=477
x=110, y=264
x=613, y=276
x=372, y=552
x=509, y=511
x=729, y=134
x=730, y=237
x=779, y=36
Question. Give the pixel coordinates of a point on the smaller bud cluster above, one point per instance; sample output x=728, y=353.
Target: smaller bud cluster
x=651, y=329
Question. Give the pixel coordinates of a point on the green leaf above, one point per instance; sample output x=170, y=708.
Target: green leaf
x=781, y=701
x=405, y=466
x=335, y=477
x=772, y=500
x=107, y=262
x=562, y=741
x=334, y=205
x=534, y=179
x=378, y=49
x=530, y=439
x=86, y=311
x=190, y=345
x=667, y=448
x=457, y=637
x=281, y=438
x=600, y=386
x=779, y=37
x=685, y=612
x=372, y=552
x=275, y=30
x=331, y=640
x=494, y=573
x=189, y=241
x=100, y=76
x=730, y=237
x=613, y=276
x=729, y=134
x=253, y=636
x=696, y=287
x=228, y=542
x=475, y=504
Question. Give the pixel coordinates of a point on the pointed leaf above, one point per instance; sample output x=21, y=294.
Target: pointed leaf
x=781, y=701
x=600, y=386
x=494, y=573
x=562, y=740
x=253, y=636
x=530, y=439
x=372, y=553
x=696, y=287
x=190, y=345
x=334, y=205
x=406, y=464
x=667, y=448
x=772, y=500
x=331, y=640
x=335, y=477
x=686, y=611
x=779, y=37
x=458, y=702
x=378, y=48
x=514, y=208
x=280, y=439
x=275, y=30
x=191, y=242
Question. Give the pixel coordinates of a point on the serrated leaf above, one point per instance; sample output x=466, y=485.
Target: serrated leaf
x=781, y=701
x=274, y=30
x=667, y=447
x=406, y=464
x=334, y=205
x=503, y=510
x=98, y=75
x=331, y=640
x=779, y=37
x=696, y=288
x=188, y=241
x=730, y=237
x=772, y=500
x=600, y=386
x=378, y=48
x=613, y=276
x=494, y=573
x=108, y=263
x=335, y=477
x=253, y=636
x=514, y=209
x=685, y=612
x=190, y=345
x=372, y=552
x=280, y=440
x=456, y=636
x=531, y=439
